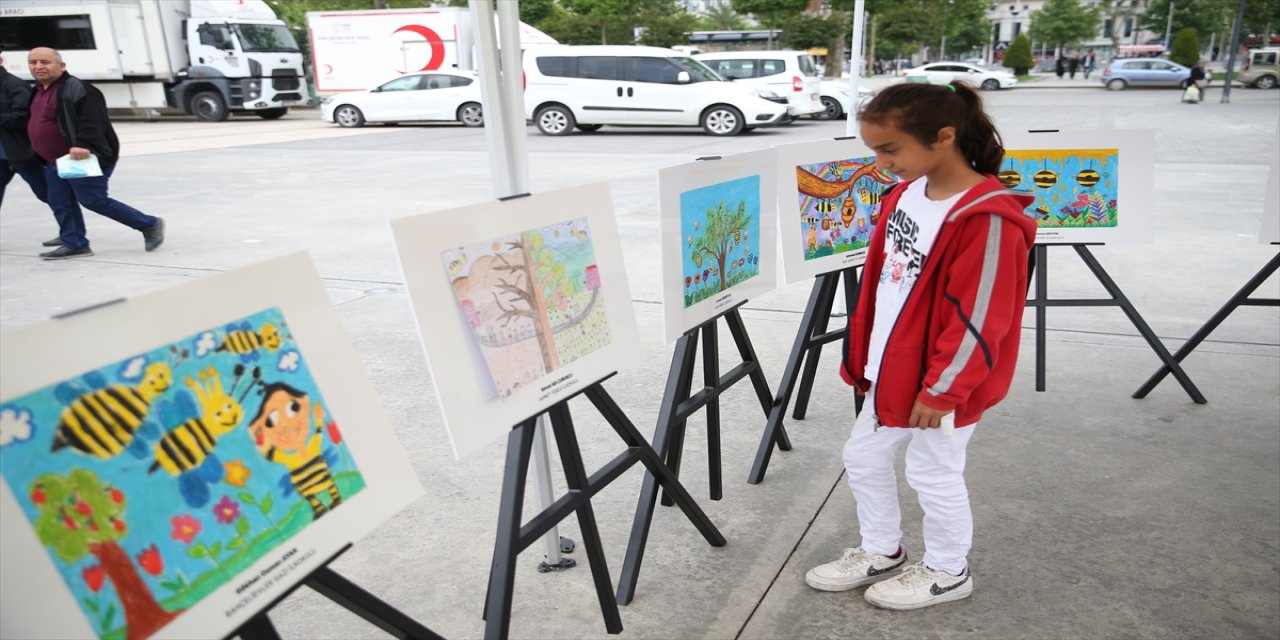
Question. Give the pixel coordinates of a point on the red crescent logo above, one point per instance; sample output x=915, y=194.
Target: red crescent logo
x=437, y=45
x=328, y=69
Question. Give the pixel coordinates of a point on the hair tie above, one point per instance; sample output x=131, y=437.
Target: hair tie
x=952, y=87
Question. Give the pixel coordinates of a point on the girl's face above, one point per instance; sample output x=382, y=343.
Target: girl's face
x=902, y=154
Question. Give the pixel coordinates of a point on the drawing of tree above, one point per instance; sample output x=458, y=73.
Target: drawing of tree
x=530, y=283
x=79, y=515
x=722, y=231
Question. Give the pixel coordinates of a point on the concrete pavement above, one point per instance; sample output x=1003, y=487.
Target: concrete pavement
x=1097, y=515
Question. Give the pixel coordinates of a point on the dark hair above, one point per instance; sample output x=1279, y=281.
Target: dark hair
x=269, y=389
x=922, y=110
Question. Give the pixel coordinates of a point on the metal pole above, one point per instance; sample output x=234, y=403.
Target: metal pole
x=1231, y=55
x=506, y=135
x=855, y=62
x=1168, y=28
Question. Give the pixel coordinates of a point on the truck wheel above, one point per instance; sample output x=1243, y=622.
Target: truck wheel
x=272, y=114
x=348, y=116
x=471, y=115
x=1265, y=82
x=722, y=120
x=208, y=106
x=555, y=120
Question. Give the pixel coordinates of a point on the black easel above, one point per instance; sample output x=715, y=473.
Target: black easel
x=1241, y=298
x=677, y=405
x=513, y=536
x=347, y=594
x=1039, y=257
x=806, y=350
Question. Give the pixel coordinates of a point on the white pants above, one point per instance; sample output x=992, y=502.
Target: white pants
x=935, y=469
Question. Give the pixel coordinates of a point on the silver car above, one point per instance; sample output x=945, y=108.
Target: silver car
x=1144, y=72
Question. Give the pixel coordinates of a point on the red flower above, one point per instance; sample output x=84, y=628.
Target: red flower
x=94, y=576
x=185, y=528
x=227, y=510
x=37, y=496
x=151, y=561
x=334, y=434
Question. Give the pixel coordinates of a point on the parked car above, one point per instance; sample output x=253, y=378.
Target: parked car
x=413, y=97
x=1261, y=68
x=837, y=102
x=587, y=87
x=787, y=73
x=1144, y=72
x=945, y=72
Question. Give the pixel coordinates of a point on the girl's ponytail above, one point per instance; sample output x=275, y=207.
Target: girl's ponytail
x=924, y=109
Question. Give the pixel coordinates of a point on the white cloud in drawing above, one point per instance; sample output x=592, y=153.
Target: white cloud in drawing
x=289, y=361
x=205, y=344
x=15, y=425
x=132, y=369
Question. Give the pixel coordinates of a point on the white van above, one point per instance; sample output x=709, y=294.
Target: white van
x=587, y=87
x=789, y=73
x=1261, y=68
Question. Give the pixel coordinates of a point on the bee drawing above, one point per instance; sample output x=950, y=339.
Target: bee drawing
x=246, y=342
x=196, y=420
x=825, y=206
x=103, y=420
x=289, y=431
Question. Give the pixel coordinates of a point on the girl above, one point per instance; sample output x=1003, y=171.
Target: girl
x=934, y=338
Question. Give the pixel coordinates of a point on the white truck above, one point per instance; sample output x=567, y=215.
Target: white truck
x=208, y=58
x=356, y=50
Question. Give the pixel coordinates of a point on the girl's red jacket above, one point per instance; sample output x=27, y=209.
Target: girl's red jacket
x=955, y=343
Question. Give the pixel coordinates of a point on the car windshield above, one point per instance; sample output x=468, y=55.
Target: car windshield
x=807, y=67
x=698, y=72
x=265, y=37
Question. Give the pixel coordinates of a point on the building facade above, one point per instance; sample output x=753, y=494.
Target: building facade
x=1012, y=17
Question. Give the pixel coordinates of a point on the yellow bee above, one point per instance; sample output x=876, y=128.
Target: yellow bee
x=246, y=342
x=104, y=420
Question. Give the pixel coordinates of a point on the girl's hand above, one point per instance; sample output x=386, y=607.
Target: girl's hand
x=925, y=417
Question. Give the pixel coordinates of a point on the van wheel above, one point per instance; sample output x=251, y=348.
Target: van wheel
x=348, y=116
x=555, y=120
x=589, y=127
x=722, y=120
x=471, y=115
x=1265, y=82
x=208, y=106
x=1117, y=85
x=831, y=109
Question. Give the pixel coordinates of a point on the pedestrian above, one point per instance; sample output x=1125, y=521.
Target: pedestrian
x=1090, y=63
x=16, y=156
x=69, y=117
x=933, y=340
x=1060, y=67
x=1073, y=65
x=1197, y=78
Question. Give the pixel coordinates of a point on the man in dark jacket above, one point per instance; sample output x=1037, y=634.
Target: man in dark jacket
x=16, y=156
x=69, y=117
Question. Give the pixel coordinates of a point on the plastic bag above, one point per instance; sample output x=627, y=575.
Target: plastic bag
x=69, y=169
x=1192, y=94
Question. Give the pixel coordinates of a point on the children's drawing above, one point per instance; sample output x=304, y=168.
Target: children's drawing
x=532, y=300
x=839, y=204
x=721, y=227
x=1074, y=188
x=152, y=482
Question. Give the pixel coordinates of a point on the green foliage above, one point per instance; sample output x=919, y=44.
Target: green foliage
x=1186, y=47
x=1205, y=16
x=805, y=31
x=722, y=230
x=721, y=17
x=666, y=29
x=1018, y=57
x=75, y=511
x=294, y=12
x=1062, y=23
x=535, y=11
x=906, y=26
x=770, y=13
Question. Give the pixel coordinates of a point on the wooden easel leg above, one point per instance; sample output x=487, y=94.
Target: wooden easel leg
x=710, y=378
x=679, y=380
x=258, y=627
x=1240, y=298
x=748, y=354
x=676, y=421
x=502, y=572
x=576, y=480
x=1040, y=263
x=1140, y=324
x=368, y=606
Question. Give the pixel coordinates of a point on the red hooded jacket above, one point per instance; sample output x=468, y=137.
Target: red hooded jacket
x=955, y=343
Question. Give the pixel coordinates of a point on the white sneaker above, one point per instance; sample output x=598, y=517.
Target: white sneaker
x=919, y=586
x=854, y=569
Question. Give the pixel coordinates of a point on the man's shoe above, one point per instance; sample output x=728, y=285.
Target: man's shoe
x=56, y=242
x=62, y=252
x=919, y=587
x=854, y=569
x=154, y=237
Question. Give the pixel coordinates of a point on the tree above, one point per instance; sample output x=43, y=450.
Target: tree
x=1018, y=57
x=666, y=28
x=1186, y=48
x=1062, y=23
x=722, y=17
x=723, y=231
x=770, y=12
x=535, y=278
x=1205, y=16
x=535, y=11
x=805, y=31
x=77, y=516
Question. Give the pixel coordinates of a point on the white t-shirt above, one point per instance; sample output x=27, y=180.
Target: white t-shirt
x=909, y=234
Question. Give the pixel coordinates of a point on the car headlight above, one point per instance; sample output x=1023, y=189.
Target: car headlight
x=765, y=93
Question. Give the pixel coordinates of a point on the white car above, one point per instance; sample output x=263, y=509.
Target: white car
x=791, y=74
x=836, y=101
x=413, y=97
x=945, y=72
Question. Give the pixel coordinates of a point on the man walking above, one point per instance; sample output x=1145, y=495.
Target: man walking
x=69, y=117
x=16, y=157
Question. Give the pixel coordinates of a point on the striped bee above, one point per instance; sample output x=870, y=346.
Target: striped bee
x=1042, y=212
x=246, y=342
x=194, y=428
x=289, y=432
x=103, y=420
x=1009, y=178
x=868, y=197
x=824, y=206
x=1088, y=178
x=1045, y=178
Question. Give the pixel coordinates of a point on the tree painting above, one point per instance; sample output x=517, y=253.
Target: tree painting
x=720, y=224
x=1072, y=187
x=532, y=301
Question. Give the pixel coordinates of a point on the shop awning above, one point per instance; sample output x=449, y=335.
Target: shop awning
x=1135, y=49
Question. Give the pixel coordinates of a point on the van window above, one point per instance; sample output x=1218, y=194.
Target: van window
x=64, y=33
x=807, y=67
x=658, y=70
x=1265, y=58
x=556, y=66
x=734, y=69
x=598, y=67
x=698, y=72
x=772, y=67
